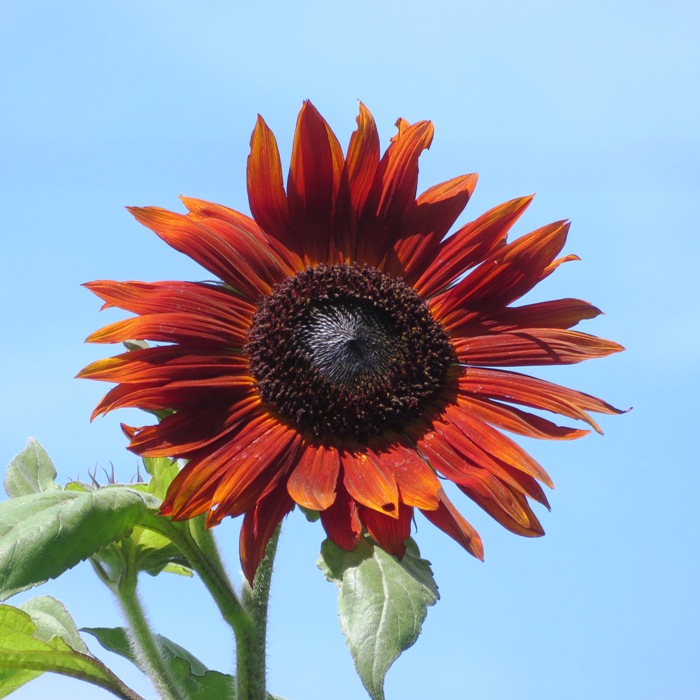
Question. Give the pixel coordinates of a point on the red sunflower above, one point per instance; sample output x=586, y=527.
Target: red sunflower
x=352, y=353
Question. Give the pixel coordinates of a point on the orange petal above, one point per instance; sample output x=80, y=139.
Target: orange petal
x=228, y=261
x=470, y=245
x=417, y=482
x=162, y=297
x=518, y=421
x=514, y=387
x=178, y=327
x=532, y=346
x=451, y=522
x=368, y=483
x=313, y=481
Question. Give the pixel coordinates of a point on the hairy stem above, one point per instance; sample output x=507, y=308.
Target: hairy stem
x=214, y=577
x=250, y=657
x=143, y=640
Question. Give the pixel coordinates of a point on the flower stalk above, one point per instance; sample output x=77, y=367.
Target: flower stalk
x=251, y=655
x=143, y=641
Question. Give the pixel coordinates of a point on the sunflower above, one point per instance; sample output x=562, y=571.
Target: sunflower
x=352, y=354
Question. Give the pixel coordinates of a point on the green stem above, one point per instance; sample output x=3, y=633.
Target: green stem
x=109, y=681
x=250, y=656
x=248, y=619
x=143, y=640
x=204, y=539
x=214, y=577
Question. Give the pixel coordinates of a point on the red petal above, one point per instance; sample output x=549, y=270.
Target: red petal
x=400, y=170
x=258, y=527
x=162, y=297
x=312, y=483
x=253, y=248
x=436, y=210
x=254, y=471
x=532, y=346
x=456, y=457
x=171, y=364
x=235, y=256
x=192, y=491
x=559, y=313
x=201, y=210
x=493, y=486
x=341, y=521
x=451, y=522
x=362, y=159
x=518, y=421
x=391, y=200
x=390, y=533
x=358, y=175
x=470, y=245
x=536, y=393
x=187, y=432
x=495, y=443
x=506, y=275
x=268, y=201
x=314, y=179
x=504, y=504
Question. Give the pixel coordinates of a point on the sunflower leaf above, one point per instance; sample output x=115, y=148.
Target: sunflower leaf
x=53, y=620
x=31, y=471
x=192, y=675
x=162, y=471
x=44, y=534
x=381, y=604
x=41, y=636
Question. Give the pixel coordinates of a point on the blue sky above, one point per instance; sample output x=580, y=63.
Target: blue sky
x=593, y=105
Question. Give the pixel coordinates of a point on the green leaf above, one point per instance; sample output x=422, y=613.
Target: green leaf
x=44, y=534
x=162, y=470
x=31, y=471
x=156, y=553
x=53, y=620
x=42, y=638
x=191, y=674
x=178, y=570
x=311, y=516
x=149, y=546
x=381, y=604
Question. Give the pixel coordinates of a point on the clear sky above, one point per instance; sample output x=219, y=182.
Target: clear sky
x=593, y=105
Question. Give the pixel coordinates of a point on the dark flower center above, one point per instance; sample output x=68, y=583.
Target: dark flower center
x=347, y=351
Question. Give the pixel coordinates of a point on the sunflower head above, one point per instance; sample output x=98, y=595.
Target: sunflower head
x=352, y=355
